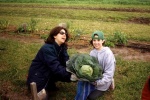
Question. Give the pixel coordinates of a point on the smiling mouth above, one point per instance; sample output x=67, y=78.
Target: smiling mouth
x=96, y=45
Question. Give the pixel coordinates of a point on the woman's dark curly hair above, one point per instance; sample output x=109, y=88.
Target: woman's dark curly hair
x=54, y=32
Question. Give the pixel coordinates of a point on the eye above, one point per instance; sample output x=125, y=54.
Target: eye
x=62, y=32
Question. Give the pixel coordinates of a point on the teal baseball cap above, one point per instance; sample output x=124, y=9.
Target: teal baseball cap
x=99, y=34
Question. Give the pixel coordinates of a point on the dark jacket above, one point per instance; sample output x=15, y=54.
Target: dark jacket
x=49, y=64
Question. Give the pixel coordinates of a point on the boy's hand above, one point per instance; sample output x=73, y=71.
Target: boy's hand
x=94, y=83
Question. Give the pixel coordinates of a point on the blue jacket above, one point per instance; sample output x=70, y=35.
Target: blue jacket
x=49, y=63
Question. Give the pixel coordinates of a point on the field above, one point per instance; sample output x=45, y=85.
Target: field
x=19, y=45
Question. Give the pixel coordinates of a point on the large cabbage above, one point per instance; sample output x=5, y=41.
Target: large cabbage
x=87, y=70
x=85, y=67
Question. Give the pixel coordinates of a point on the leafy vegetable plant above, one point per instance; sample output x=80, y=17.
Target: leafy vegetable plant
x=85, y=67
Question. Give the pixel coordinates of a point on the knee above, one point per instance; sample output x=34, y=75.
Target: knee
x=90, y=98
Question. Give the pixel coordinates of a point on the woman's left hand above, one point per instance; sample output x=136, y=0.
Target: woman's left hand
x=73, y=77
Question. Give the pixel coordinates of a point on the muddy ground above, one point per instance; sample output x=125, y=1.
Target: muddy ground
x=132, y=51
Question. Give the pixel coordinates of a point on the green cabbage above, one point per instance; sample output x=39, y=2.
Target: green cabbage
x=85, y=67
x=87, y=70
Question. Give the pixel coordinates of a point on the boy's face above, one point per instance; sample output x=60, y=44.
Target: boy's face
x=97, y=43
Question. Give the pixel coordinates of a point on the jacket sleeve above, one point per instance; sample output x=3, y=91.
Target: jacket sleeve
x=50, y=58
x=64, y=57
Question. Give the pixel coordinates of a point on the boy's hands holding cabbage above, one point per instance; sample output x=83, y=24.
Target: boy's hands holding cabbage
x=84, y=67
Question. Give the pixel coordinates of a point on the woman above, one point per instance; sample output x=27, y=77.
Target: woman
x=49, y=65
x=106, y=59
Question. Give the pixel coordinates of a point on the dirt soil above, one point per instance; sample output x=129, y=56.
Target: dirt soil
x=139, y=51
x=133, y=51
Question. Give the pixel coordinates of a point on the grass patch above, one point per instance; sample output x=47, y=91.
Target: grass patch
x=122, y=2
x=138, y=32
x=130, y=78
x=15, y=59
x=51, y=11
x=84, y=17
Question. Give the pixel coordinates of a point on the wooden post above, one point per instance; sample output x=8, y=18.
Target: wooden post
x=33, y=91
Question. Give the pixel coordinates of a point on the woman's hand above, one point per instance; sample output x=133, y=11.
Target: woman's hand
x=73, y=77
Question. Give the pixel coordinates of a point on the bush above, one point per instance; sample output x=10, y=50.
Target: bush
x=120, y=38
x=33, y=24
x=28, y=27
x=4, y=24
x=23, y=27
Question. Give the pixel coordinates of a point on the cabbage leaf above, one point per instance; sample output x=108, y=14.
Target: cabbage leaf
x=85, y=67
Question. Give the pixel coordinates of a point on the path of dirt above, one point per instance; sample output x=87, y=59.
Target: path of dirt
x=133, y=51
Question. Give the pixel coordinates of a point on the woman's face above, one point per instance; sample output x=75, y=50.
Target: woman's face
x=97, y=43
x=60, y=38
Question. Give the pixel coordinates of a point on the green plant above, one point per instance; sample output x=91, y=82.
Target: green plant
x=110, y=42
x=4, y=24
x=44, y=36
x=32, y=25
x=23, y=28
x=87, y=70
x=28, y=27
x=85, y=67
x=76, y=34
x=120, y=38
